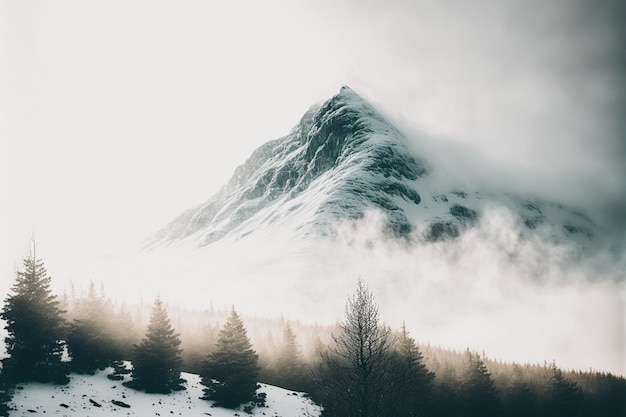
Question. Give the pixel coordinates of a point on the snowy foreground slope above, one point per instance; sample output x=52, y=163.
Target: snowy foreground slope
x=94, y=395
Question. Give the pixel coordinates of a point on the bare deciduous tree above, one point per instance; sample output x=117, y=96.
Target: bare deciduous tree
x=352, y=374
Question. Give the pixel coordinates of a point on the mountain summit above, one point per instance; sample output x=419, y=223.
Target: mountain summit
x=342, y=159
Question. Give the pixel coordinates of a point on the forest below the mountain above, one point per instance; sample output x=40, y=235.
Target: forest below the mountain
x=358, y=367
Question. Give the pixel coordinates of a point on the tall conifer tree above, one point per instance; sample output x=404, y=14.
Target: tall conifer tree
x=35, y=325
x=478, y=392
x=520, y=400
x=230, y=371
x=411, y=381
x=290, y=363
x=157, y=361
x=564, y=398
x=90, y=340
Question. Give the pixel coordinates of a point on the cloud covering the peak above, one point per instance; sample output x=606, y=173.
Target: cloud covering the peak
x=534, y=90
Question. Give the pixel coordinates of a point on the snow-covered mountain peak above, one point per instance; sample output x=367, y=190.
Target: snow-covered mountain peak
x=341, y=160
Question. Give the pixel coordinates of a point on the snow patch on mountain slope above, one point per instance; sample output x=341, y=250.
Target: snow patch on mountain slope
x=93, y=396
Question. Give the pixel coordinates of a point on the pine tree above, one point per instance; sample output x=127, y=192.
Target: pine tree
x=35, y=325
x=230, y=371
x=410, y=381
x=447, y=390
x=157, y=361
x=123, y=333
x=479, y=394
x=290, y=363
x=91, y=344
x=352, y=376
x=563, y=397
x=520, y=401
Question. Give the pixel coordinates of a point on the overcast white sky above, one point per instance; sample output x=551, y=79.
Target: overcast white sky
x=115, y=116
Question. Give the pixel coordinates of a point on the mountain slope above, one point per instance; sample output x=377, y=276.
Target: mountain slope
x=94, y=395
x=343, y=159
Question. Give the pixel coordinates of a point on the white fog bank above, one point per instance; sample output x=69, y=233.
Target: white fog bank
x=518, y=299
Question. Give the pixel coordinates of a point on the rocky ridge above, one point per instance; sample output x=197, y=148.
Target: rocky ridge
x=342, y=159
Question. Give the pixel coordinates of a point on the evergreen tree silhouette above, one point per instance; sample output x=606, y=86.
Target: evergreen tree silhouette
x=410, y=381
x=519, y=399
x=35, y=327
x=157, y=362
x=563, y=397
x=123, y=333
x=230, y=371
x=290, y=364
x=609, y=398
x=479, y=395
x=90, y=341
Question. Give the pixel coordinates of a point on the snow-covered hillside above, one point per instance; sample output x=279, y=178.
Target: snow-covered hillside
x=343, y=159
x=99, y=396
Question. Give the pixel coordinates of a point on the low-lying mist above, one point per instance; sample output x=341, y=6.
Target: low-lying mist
x=518, y=298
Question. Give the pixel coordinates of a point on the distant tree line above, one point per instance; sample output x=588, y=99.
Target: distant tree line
x=360, y=368
x=368, y=370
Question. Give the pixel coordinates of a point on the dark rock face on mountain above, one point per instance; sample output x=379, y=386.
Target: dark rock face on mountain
x=341, y=160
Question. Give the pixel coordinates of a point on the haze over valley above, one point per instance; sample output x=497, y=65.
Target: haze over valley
x=346, y=195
